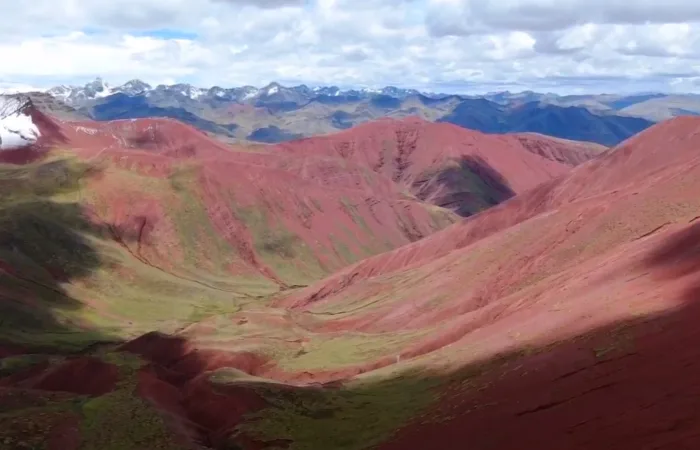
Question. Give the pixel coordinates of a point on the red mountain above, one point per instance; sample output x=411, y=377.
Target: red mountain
x=562, y=318
x=153, y=281
x=463, y=170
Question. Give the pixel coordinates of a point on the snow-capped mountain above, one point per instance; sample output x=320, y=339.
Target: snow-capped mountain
x=74, y=95
x=78, y=96
x=331, y=91
x=393, y=91
x=17, y=128
x=133, y=87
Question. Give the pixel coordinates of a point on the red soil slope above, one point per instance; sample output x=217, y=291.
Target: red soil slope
x=340, y=197
x=332, y=211
x=571, y=153
x=405, y=149
x=450, y=166
x=572, y=306
x=568, y=313
x=300, y=210
x=315, y=202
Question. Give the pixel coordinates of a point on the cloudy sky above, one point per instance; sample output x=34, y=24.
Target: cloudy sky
x=469, y=46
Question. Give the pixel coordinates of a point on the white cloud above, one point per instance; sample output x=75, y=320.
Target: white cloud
x=476, y=16
x=562, y=45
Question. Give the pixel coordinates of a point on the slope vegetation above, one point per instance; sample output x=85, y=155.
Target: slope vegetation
x=112, y=230
x=163, y=290
x=562, y=318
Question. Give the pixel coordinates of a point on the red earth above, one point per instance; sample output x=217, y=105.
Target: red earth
x=83, y=376
x=575, y=304
x=404, y=149
x=350, y=191
x=567, y=253
x=438, y=162
x=565, y=151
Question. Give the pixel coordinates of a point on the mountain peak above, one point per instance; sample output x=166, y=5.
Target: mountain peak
x=272, y=88
x=136, y=84
x=17, y=128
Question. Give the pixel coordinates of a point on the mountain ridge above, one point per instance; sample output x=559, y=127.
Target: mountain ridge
x=276, y=113
x=74, y=95
x=164, y=289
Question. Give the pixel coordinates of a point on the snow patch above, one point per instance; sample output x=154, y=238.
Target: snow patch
x=105, y=90
x=250, y=94
x=196, y=93
x=17, y=129
x=273, y=90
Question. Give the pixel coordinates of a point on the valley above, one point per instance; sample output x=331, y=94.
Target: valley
x=398, y=284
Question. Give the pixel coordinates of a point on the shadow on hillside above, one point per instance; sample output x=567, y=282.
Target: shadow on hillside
x=629, y=385
x=679, y=257
x=45, y=244
x=468, y=186
x=633, y=384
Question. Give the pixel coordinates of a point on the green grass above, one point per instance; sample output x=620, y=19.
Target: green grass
x=364, y=413
x=45, y=238
x=15, y=364
x=28, y=422
x=49, y=178
x=335, y=352
x=204, y=248
x=288, y=255
x=72, y=285
x=356, y=417
x=120, y=420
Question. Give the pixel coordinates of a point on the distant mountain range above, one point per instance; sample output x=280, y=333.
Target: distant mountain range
x=273, y=94
x=277, y=113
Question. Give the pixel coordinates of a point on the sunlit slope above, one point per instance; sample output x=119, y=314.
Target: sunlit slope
x=540, y=311
x=133, y=226
x=274, y=298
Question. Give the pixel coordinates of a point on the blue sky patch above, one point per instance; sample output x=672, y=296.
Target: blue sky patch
x=167, y=33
